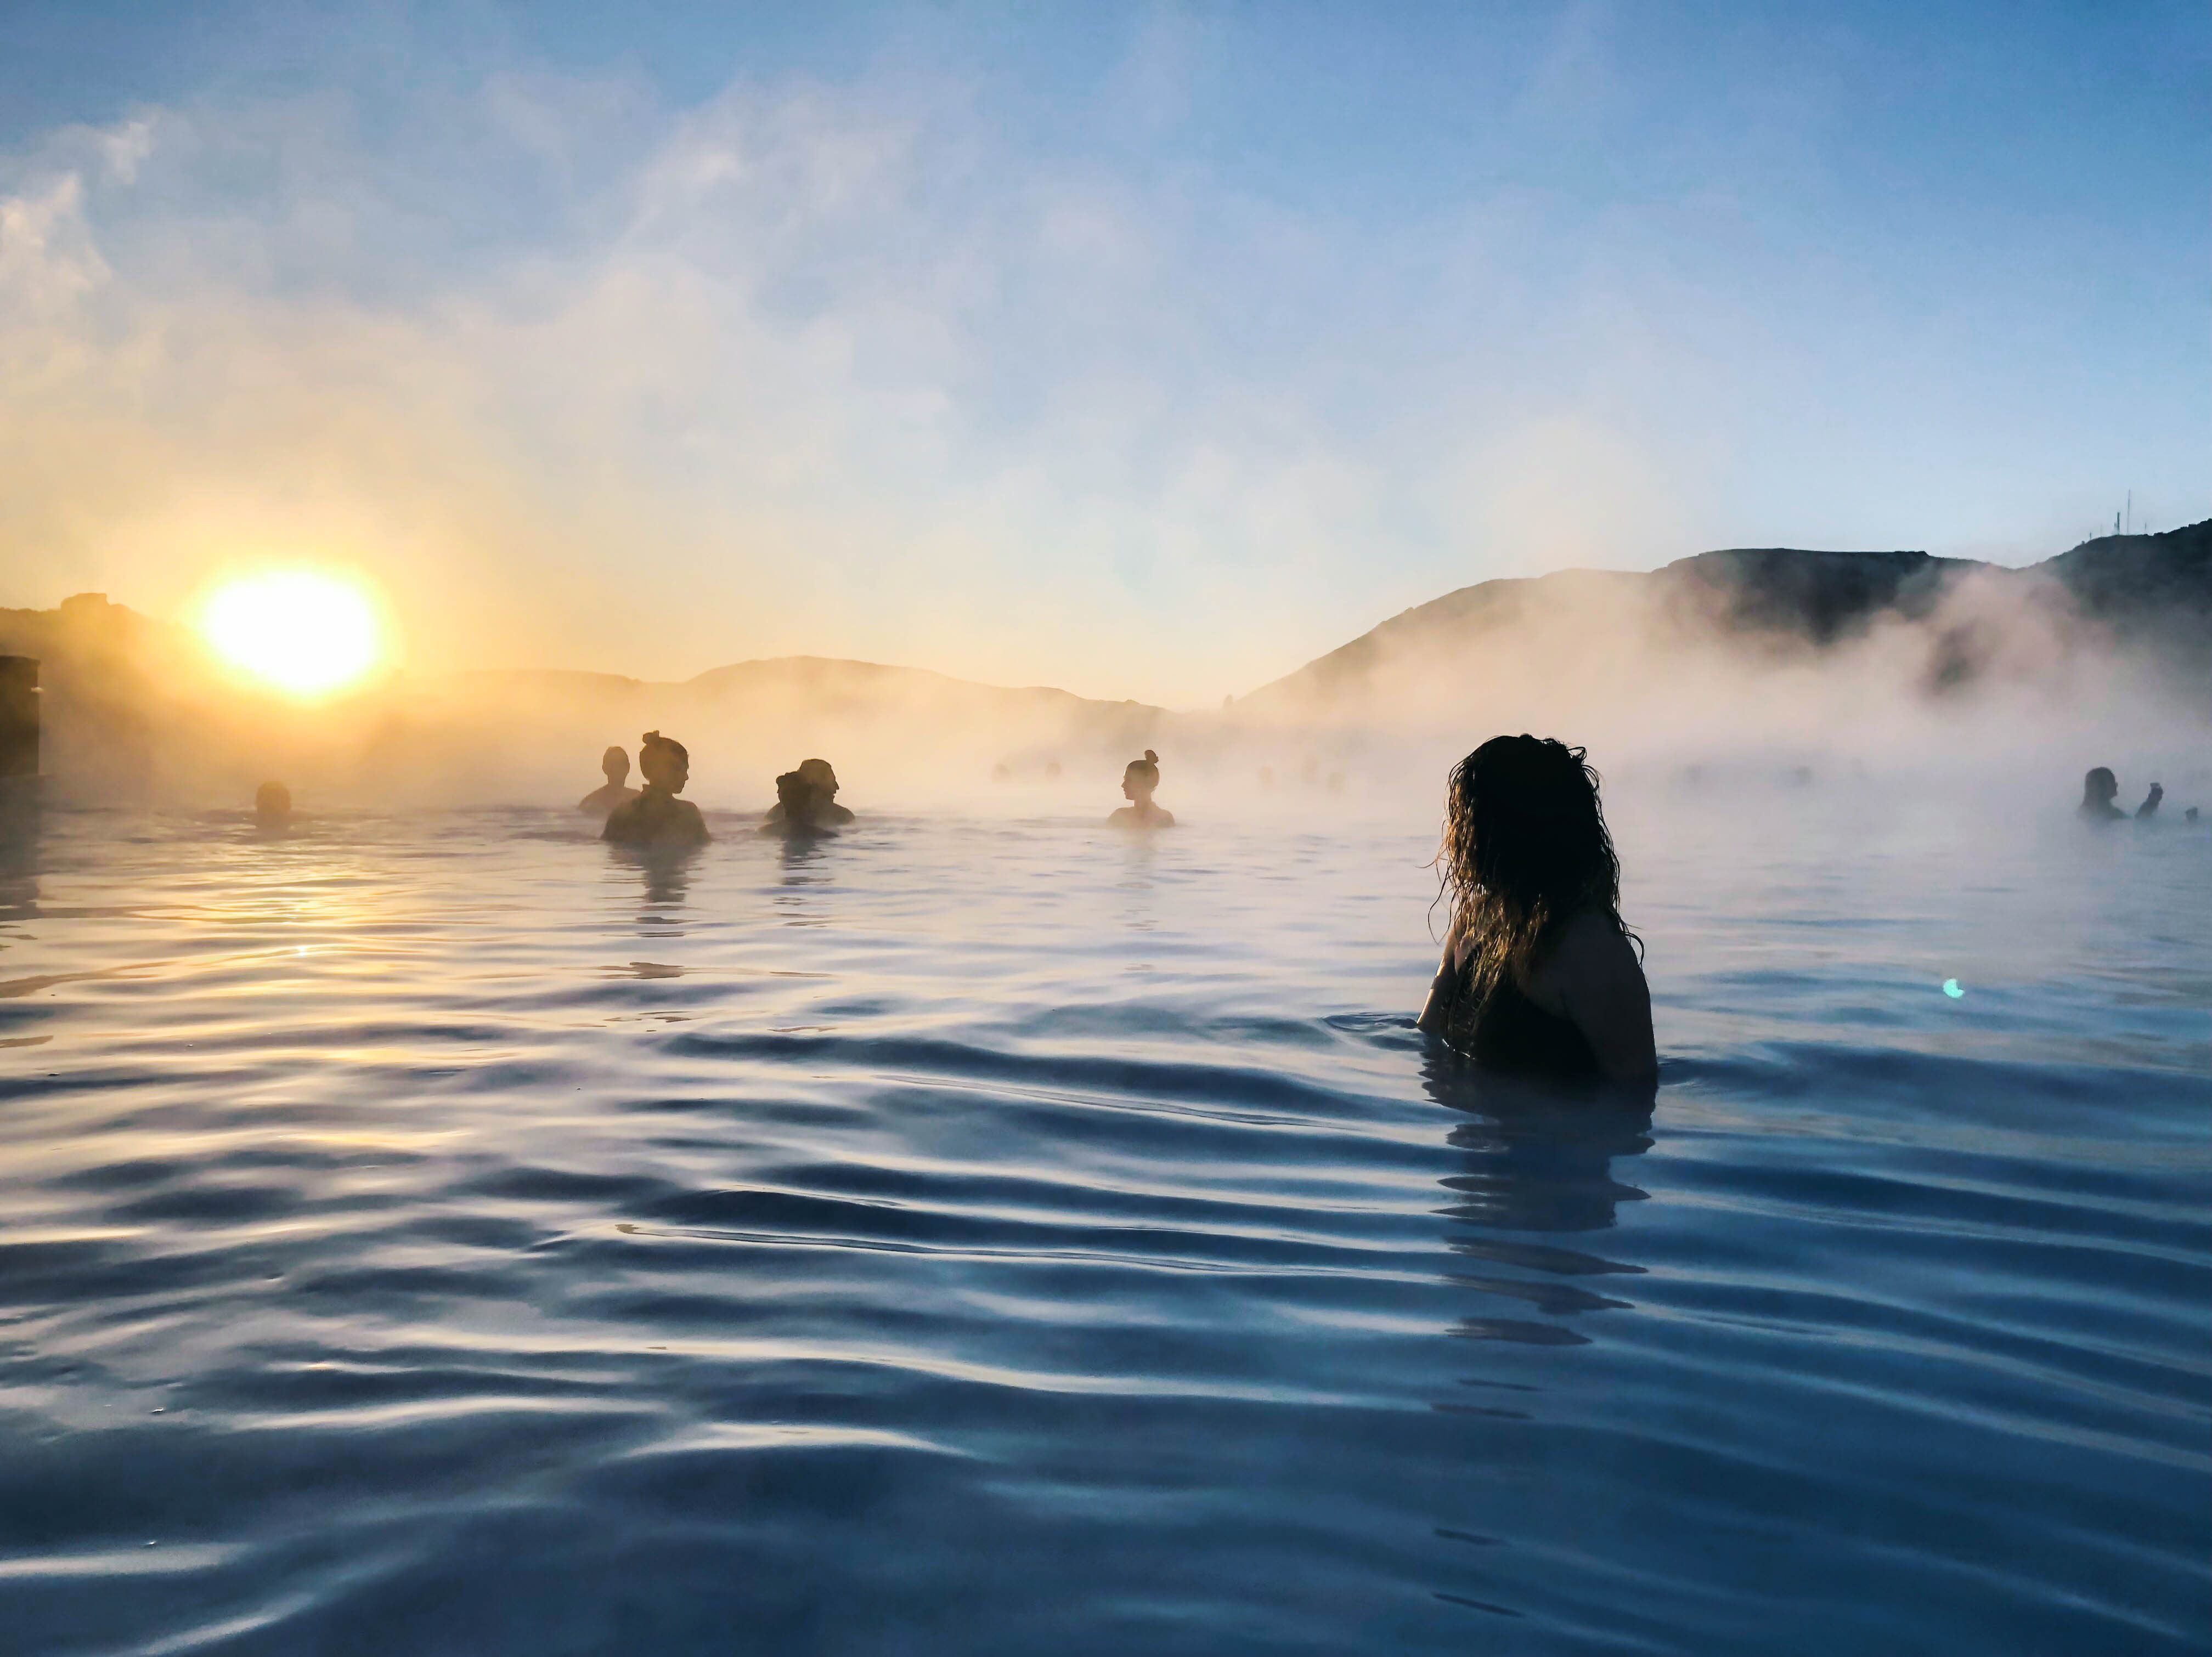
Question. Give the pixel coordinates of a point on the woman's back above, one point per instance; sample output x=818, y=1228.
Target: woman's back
x=655, y=818
x=1505, y=1030
x=1538, y=976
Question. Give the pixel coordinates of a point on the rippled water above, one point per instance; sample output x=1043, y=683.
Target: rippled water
x=444, y=1236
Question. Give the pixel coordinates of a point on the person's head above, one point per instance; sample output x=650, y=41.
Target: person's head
x=1140, y=777
x=665, y=762
x=2099, y=788
x=1524, y=845
x=615, y=764
x=818, y=774
x=796, y=796
x=272, y=802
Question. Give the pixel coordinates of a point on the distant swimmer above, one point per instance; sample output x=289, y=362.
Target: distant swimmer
x=2099, y=788
x=656, y=817
x=1540, y=975
x=272, y=807
x=615, y=763
x=806, y=799
x=793, y=810
x=1139, y=779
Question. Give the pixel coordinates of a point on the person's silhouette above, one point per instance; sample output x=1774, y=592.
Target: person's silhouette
x=806, y=799
x=272, y=808
x=1139, y=778
x=2099, y=789
x=656, y=817
x=1539, y=974
x=615, y=764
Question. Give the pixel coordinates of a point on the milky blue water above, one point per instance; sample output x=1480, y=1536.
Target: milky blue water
x=444, y=1235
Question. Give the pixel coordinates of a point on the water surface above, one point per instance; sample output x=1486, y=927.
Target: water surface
x=447, y=1235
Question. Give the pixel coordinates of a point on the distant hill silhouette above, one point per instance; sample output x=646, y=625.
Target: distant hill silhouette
x=134, y=710
x=2152, y=591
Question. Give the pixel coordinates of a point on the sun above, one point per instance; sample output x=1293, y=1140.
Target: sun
x=300, y=630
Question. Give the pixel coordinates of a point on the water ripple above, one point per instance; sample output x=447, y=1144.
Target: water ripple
x=450, y=1238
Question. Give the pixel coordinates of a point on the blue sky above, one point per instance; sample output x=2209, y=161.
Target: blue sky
x=1147, y=351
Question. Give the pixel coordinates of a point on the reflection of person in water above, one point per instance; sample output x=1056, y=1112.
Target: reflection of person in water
x=272, y=808
x=806, y=799
x=1539, y=974
x=615, y=763
x=1535, y=1161
x=1139, y=779
x=2100, y=788
x=656, y=817
x=1541, y=1162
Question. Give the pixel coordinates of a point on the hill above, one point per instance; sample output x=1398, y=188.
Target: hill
x=2145, y=593
x=1799, y=638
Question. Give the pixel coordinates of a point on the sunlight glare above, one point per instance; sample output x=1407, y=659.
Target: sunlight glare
x=299, y=630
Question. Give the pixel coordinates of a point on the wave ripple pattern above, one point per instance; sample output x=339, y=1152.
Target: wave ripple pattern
x=449, y=1237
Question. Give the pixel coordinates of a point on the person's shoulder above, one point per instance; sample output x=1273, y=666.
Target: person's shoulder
x=1164, y=820
x=1122, y=818
x=841, y=813
x=1592, y=941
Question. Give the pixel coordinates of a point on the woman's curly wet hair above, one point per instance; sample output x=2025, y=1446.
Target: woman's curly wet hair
x=1525, y=848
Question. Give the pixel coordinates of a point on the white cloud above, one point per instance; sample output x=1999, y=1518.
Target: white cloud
x=836, y=369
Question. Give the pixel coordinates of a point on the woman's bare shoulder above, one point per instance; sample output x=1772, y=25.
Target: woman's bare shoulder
x=1592, y=945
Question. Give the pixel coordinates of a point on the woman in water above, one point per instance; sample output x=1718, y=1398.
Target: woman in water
x=1139, y=780
x=656, y=817
x=1538, y=976
x=807, y=798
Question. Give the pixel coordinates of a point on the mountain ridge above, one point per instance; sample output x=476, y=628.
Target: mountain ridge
x=2159, y=586
x=134, y=709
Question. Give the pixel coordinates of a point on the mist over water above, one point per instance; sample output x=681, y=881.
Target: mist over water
x=441, y=1233
x=426, y=1230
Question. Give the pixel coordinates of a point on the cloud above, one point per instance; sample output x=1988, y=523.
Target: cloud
x=808, y=367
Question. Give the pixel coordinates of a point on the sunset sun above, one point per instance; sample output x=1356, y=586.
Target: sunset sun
x=301, y=631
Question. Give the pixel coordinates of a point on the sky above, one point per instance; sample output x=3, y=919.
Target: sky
x=1149, y=351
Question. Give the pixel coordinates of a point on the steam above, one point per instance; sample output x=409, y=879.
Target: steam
x=1999, y=687
x=585, y=381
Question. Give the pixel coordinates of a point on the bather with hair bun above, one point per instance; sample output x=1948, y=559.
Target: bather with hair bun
x=1540, y=975
x=656, y=818
x=1139, y=779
